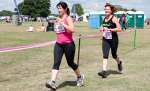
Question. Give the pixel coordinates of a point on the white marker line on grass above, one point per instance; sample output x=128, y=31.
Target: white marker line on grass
x=19, y=48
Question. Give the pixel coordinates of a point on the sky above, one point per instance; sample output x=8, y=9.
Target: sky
x=90, y=5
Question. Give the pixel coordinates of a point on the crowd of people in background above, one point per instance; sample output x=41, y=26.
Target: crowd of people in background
x=124, y=19
x=6, y=19
x=9, y=19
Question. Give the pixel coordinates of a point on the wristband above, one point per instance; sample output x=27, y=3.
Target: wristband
x=114, y=30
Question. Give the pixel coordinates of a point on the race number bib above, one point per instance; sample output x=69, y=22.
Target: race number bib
x=59, y=28
x=107, y=34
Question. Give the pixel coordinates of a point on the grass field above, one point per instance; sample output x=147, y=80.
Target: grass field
x=28, y=70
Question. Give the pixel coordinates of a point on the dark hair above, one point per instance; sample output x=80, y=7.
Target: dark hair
x=112, y=7
x=64, y=6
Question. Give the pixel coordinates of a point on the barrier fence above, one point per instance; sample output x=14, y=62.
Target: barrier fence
x=39, y=45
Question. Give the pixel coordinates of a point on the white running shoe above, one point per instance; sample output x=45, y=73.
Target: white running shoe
x=50, y=84
x=80, y=81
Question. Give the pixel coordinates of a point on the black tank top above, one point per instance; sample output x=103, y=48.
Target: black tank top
x=110, y=25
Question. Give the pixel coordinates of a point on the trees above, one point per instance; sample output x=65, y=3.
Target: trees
x=134, y=10
x=6, y=13
x=120, y=8
x=78, y=9
x=35, y=8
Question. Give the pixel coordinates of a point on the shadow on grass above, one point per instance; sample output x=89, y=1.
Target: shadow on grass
x=67, y=83
x=109, y=72
x=51, y=90
x=113, y=72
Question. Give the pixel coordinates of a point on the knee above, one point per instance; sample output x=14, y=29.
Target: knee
x=73, y=65
x=56, y=66
x=115, y=56
x=105, y=56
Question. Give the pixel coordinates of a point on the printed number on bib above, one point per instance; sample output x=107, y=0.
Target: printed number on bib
x=59, y=28
x=107, y=34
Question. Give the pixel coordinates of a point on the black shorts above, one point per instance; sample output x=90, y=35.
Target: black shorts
x=108, y=44
x=69, y=51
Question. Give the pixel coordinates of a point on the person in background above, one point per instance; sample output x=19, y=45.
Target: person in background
x=110, y=40
x=127, y=20
x=41, y=28
x=123, y=22
x=30, y=29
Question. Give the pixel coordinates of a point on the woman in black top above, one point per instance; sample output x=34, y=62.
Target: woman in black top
x=110, y=27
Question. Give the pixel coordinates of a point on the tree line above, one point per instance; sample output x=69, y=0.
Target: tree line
x=42, y=8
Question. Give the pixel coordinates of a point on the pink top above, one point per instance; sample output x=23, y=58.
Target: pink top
x=64, y=37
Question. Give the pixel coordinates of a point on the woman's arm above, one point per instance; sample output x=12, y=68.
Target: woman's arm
x=118, y=26
x=70, y=26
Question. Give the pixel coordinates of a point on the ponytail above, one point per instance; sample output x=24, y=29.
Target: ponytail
x=68, y=11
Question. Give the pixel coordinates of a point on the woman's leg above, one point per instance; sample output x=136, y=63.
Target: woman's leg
x=114, y=47
x=70, y=53
x=105, y=62
x=105, y=49
x=58, y=53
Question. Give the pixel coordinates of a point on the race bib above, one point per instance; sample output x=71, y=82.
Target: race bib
x=107, y=34
x=59, y=28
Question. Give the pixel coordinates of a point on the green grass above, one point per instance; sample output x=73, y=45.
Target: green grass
x=28, y=70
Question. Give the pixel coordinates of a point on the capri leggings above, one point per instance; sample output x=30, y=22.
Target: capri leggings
x=69, y=51
x=110, y=44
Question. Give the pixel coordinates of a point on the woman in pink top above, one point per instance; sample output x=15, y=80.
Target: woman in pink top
x=64, y=29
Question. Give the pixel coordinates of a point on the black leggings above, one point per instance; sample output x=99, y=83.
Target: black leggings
x=110, y=44
x=69, y=51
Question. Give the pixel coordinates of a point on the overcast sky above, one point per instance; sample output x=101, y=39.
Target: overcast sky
x=90, y=5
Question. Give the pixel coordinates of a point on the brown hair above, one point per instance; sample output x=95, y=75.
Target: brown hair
x=64, y=6
x=112, y=7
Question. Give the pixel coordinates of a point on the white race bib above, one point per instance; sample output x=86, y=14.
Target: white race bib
x=59, y=28
x=107, y=34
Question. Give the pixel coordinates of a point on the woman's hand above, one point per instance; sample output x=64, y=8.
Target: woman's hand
x=70, y=25
x=118, y=26
x=59, y=20
x=101, y=29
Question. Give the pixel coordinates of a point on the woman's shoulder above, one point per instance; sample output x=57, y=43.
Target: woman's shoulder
x=69, y=18
x=115, y=19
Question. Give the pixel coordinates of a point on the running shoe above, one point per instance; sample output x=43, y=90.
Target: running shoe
x=80, y=81
x=51, y=85
x=120, y=67
x=103, y=74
